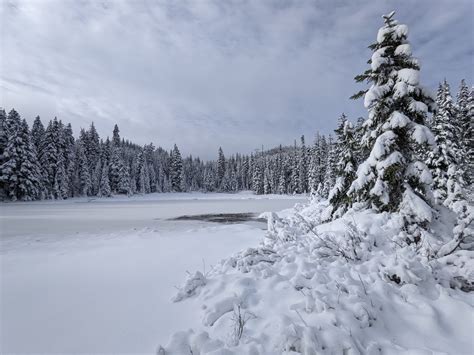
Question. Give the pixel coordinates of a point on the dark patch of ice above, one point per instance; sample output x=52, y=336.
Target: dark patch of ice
x=222, y=218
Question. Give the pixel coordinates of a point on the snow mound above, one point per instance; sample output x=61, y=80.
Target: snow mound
x=343, y=287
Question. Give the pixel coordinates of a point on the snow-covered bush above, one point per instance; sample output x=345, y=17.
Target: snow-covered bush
x=346, y=286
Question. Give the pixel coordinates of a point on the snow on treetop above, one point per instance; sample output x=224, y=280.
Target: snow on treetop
x=393, y=30
x=389, y=16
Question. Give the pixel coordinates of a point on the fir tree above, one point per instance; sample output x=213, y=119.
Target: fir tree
x=69, y=156
x=345, y=169
x=257, y=181
x=37, y=133
x=53, y=162
x=303, y=168
x=83, y=174
x=295, y=176
x=220, y=166
x=329, y=177
x=442, y=159
x=123, y=183
x=3, y=145
x=104, y=187
x=176, y=169
x=19, y=170
x=116, y=137
x=465, y=120
x=314, y=167
x=393, y=177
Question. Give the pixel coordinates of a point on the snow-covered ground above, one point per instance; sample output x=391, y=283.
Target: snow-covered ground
x=341, y=287
x=97, y=275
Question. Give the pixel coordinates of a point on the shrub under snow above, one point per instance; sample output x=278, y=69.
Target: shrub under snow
x=343, y=287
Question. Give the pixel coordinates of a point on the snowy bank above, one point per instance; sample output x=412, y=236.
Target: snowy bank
x=343, y=287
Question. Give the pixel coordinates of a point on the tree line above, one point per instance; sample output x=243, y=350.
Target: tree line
x=49, y=163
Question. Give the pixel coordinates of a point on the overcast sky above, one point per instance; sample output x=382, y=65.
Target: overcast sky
x=207, y=73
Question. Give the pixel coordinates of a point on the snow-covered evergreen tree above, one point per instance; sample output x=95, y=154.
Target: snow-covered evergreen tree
x=394, y=177
x=303, y=168
x=329, y=177
x=443, y=159
x=19, y=171
x=345, y=168
x=465, y=120
x=83, y=175
x=92, y=148
x=176, y=169
x=69, y=156
x=123, y=183
x=3, y=145
x=116, y=137
x=104, y=186
x=257, y=181
x=295, y=173
x=313, y=174
x=220, y=166
x=37, y=133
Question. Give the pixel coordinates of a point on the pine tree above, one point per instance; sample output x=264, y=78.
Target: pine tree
x=329, y=176
x=92, y=148
x=123, y=182
x=322, y=163
x=69, y=156
x=465, y=120
x=143, y=177
x=303, y=168
x=282, y=180
x=393, y=177
x=345, y=169
x=37, y=133
x=95, y=178
x=444, y=157
x=3, y=145
x=116, y=137
x=176, y=169
x=295, y=176
x=220, y=167
x=53, y=162
x=104, y=187
x=84, y=176
x=19, y=171
x=257, y=181
x=267, y=189
x=313, y=179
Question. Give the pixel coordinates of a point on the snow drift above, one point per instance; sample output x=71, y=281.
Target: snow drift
x=343, y=287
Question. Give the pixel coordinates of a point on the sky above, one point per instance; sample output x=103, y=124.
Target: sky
x=203, y=74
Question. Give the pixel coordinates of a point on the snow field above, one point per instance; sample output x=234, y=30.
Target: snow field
x=68, y=289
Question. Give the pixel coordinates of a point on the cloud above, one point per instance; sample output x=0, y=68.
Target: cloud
x=206, y=73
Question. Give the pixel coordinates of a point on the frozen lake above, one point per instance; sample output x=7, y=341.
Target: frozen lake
x=97, y=276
